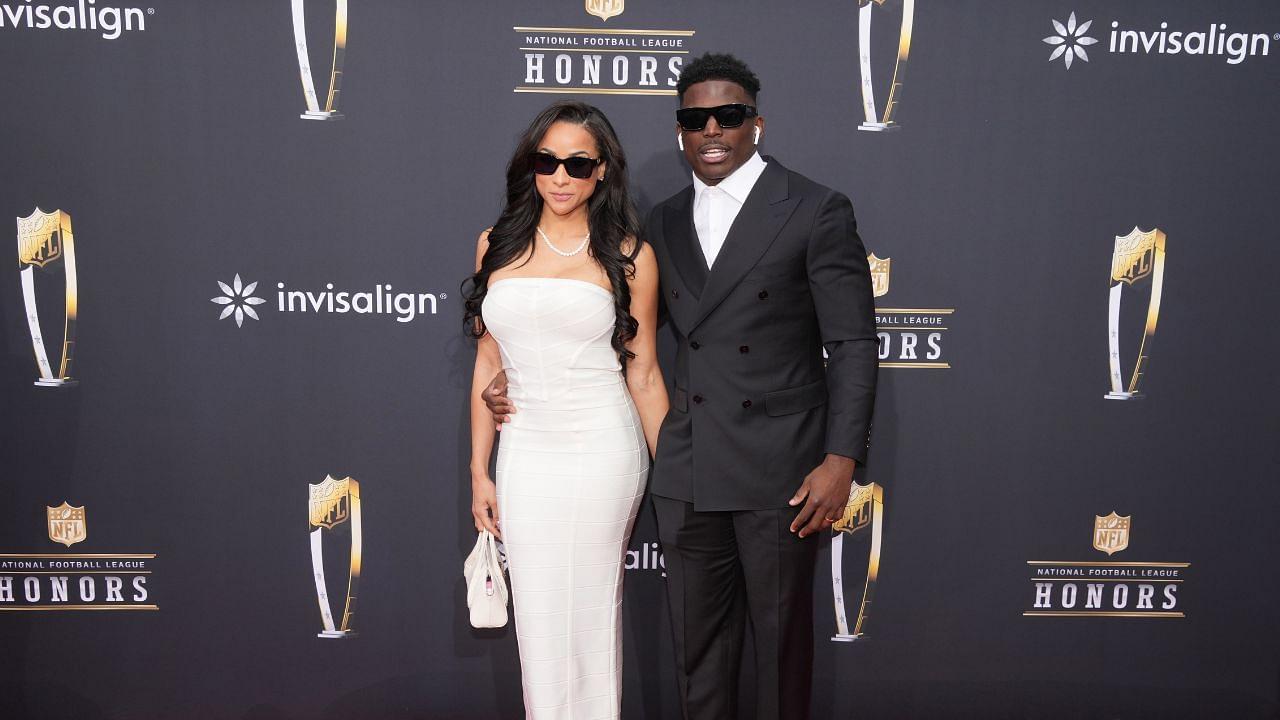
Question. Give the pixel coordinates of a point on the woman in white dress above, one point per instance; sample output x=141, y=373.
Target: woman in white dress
x=565, y=301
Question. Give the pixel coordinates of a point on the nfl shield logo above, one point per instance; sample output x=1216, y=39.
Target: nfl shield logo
x=1111, y=533
x=1134, y=255
x=40, y=237
x=859, y=510
x=605, y=9
x=330, y=504
x=66, y=524
x=879, y=274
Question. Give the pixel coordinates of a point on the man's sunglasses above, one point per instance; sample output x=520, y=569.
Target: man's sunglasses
x=727, y=116
x=578, y=167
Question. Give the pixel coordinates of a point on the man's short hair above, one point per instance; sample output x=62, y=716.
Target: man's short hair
x=718, y=66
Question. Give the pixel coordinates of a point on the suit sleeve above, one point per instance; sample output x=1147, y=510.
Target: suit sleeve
x=840, y=282
x=650, y=235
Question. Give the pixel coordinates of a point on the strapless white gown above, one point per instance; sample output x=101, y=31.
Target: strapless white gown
x=571, y=470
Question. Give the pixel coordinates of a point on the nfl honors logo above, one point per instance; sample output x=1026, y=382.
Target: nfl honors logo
x=66, y=524
x=879, y=274
x=1110, y=588
x=605, y=9
x=598, y=60
x=1111, y=533
x=909, y=337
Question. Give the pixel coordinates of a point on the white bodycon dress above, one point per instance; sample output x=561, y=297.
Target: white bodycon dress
x=571, y=470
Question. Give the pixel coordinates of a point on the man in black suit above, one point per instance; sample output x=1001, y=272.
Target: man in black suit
x=761, y=269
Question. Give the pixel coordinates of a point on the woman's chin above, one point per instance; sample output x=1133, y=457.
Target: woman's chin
x=563, y=207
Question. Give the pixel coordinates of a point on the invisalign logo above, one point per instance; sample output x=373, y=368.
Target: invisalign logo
x=238, y=301
x=1236, y=46
x=110, y=22
x=379, y=300
x=1210, y=39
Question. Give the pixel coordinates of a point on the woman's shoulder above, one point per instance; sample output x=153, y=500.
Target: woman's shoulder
x=633, y=247
x=482, y=247
x=641, y=253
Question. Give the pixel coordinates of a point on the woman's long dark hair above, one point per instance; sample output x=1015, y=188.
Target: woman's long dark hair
x=611, y=219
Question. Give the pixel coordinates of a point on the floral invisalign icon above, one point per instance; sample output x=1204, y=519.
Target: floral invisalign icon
x=1069, y=40
x=238, y=298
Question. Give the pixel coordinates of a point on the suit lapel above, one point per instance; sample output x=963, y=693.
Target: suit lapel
x=682, y=242
x=762, y=216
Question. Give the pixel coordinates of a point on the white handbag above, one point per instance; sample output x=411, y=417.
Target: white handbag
x=486, y=586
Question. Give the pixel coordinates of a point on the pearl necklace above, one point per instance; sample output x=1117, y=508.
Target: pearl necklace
x=560, y=252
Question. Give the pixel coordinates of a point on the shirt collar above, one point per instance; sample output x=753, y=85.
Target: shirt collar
x=739, y=183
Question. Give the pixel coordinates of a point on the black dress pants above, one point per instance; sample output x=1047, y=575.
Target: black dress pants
x=723, y=568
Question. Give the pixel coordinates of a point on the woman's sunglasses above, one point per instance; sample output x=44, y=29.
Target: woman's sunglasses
x=578, y=167
x=727, y=116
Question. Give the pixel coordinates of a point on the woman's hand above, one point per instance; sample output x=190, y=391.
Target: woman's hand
x=484, y=505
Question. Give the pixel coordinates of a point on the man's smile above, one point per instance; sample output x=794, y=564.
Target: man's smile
x=713, y=152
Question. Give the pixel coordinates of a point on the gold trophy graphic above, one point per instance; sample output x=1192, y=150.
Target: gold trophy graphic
x=43, y=239
x=330, y=111
x=880, y=122
x=1138, y=255
x=334, y=504
x=864, y=511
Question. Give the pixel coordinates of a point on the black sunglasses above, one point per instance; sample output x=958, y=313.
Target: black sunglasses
x=727, y=116
x=578, y=167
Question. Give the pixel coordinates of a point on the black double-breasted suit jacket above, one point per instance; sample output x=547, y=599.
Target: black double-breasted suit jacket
x=754, y=407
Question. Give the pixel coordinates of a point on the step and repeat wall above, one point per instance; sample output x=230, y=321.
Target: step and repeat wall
x=235, y=380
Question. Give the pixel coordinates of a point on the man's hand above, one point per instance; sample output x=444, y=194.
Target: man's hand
x=495, y=396
x=824, y=492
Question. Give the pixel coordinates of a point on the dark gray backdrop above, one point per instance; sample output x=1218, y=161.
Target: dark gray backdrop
x=180, y=156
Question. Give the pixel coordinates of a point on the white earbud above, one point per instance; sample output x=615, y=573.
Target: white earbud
x=757, y=135
x=680, y=141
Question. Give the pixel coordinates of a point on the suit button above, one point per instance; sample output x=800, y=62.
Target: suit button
x=746, y=403
x=763, y=294
x=697, y=399
x=675, y=293
x=694, y=345
x=744, y=349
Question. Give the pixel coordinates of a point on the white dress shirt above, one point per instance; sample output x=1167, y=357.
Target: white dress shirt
x=716, y=206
